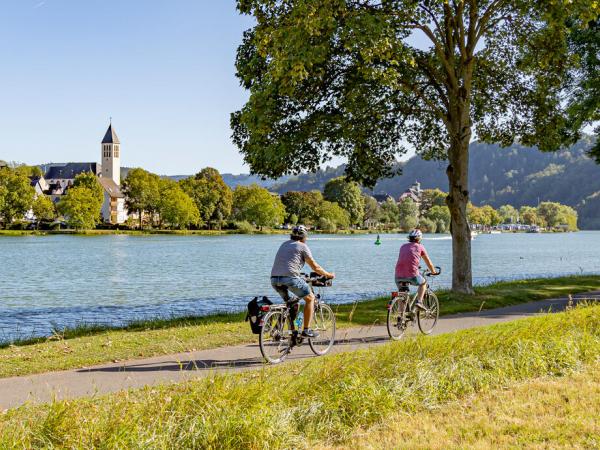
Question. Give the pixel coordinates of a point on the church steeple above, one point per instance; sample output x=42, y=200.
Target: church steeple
x=111, y=156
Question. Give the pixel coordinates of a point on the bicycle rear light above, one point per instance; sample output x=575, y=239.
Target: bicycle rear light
x=264, y=308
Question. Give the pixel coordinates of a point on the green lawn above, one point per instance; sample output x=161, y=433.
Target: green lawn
x=320, y=401
x=94, y=345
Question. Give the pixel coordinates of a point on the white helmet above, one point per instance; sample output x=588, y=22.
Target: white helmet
x=415, y=235
x=299, y=231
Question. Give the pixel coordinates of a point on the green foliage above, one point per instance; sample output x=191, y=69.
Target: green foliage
x=332, y=216
x=584, y=107
x=440, y=215
x=348, y=195
x=81, y=208
x=16, y=194
x=427, y=225
x=431, y=198
x=372, y=210
x=485, y=215
x=142, y=192
x=302, y=205
x=408, y=212
x=389, y=214
x=556, y=215
x=43, y=209
x=90, y=181
x=176, y=208
x=257, y=205
x=244, y=227
x=529, y=216
x=212, y=196
x=508, y=213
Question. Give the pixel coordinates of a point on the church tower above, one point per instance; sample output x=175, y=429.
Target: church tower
x=111, y=156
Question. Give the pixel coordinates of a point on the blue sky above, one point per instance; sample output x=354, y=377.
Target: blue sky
x=163, y=69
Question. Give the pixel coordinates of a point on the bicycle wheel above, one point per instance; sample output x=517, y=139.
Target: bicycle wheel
x=429, y=317
x=396, y=318
x=324, y=323
x=275, y=337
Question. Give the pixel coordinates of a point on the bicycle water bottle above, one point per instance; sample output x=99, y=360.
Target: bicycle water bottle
x=299, y=320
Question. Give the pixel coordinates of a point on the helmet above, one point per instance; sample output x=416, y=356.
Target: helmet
x=415, y=234
x=299, y=231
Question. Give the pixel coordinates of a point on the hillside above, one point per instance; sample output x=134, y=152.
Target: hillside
x=515, y=175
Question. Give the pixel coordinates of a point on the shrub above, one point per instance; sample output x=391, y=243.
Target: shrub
x=244, y=227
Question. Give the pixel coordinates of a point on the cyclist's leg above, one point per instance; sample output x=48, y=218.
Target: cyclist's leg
x=281, y=289
x=422, y=288
x=309, y=307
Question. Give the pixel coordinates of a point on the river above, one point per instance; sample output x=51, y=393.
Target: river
x=58, y=280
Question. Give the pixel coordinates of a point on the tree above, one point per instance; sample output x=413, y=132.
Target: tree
x=372, y=210
x=493, y=218
x=342, y=78
x=90, y=181
x=584, y=106
x=81, y=208
x=431, y=198
x=556, y=215
x=257, y=205
x=348, y=195
x=176, y=208
x=303, y=205
x=508, y=213
x=212, y=196
x=408, y=212
x=390, y=215
x=529, y=216
x=142, y=192
x=332, y=216
x=441, y=216
x=43, y=209
x=16, y=195
x=476, y=215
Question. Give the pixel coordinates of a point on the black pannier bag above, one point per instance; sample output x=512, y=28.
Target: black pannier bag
x=255, y=313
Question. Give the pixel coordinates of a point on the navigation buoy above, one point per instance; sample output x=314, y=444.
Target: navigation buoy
x=378, y=241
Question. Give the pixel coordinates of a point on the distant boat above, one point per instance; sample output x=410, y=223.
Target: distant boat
x=495, y=232
x=378, y=241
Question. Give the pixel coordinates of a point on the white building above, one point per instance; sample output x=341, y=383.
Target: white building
x=113, y=209
x=60, y=177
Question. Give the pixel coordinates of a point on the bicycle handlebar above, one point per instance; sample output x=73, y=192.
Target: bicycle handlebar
x=430, y=274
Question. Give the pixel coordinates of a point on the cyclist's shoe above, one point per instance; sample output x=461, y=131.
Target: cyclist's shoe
x=308, y=333
x=421, y=306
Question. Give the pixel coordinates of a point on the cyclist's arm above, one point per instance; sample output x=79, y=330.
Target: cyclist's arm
x=317, y=268
x=429, y=263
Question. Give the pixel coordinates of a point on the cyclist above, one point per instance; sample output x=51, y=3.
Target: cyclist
x=407, y=267
x=285, y=274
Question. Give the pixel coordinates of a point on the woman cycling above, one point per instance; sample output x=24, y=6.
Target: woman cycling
x=407, y=267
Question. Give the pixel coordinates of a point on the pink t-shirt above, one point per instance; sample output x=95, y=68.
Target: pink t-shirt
x=408, y=260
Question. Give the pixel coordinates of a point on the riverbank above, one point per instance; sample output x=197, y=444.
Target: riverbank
x=177, y=232
x=88, y=345
x=332, y=402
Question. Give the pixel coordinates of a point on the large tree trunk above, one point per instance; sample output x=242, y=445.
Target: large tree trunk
x=457, y=200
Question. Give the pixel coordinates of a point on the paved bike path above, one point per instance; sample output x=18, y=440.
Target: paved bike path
x=114, y=377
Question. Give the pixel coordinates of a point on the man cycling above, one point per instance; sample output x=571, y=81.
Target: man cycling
x=285, y=274
x=407, y=267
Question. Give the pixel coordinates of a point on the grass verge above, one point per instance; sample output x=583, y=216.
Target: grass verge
x=545, y=412
x=321, y=400
x=88, y=345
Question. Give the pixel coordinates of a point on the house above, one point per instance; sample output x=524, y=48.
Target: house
x=413, y=193
x=382, y=198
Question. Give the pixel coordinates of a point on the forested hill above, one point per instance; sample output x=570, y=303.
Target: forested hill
x=515, y=175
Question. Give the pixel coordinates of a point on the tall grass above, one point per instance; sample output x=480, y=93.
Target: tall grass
x=316, y=401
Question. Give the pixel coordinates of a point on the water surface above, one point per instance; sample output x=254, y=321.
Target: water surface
x=58, y=280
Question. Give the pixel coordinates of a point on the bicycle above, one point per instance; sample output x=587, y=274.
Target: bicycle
x=280, y=331
x=402, y=311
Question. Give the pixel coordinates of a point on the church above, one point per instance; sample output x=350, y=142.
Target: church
x=60, y=177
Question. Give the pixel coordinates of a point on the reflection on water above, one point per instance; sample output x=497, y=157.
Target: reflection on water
x=58, y=281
